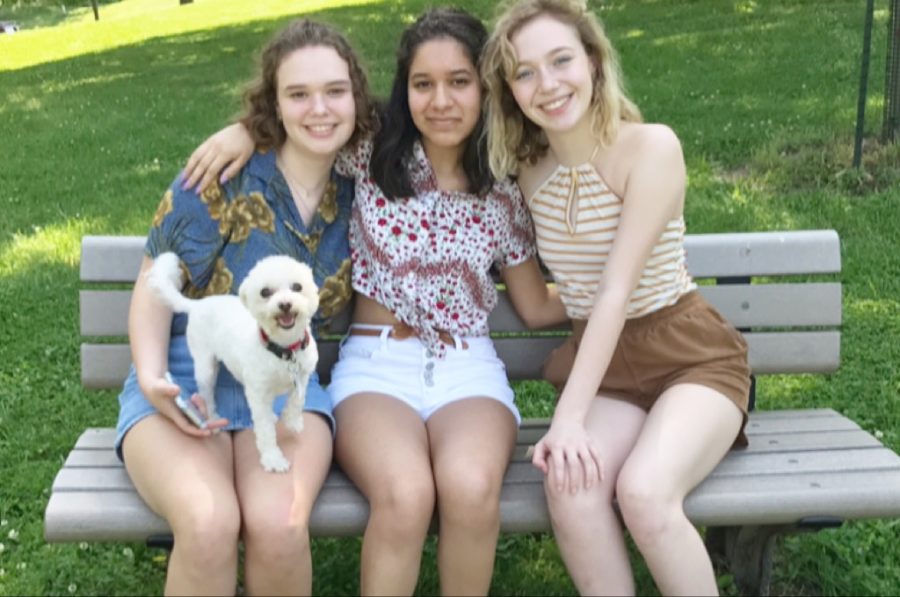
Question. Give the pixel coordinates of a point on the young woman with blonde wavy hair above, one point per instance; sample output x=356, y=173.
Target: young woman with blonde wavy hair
x=654, y=384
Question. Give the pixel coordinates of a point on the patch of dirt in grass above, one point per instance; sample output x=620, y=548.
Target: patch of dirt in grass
x=827, y=165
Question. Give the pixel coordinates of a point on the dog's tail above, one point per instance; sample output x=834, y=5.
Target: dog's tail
x=165, y=278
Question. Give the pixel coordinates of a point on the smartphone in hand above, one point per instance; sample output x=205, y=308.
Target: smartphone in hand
x=186, y=405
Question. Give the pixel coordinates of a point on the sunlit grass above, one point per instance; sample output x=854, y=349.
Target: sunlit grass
x=56, y=244
x=134, y=21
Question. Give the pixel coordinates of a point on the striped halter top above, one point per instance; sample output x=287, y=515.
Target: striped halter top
x=576, y=217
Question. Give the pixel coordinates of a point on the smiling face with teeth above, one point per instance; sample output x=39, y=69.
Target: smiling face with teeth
x=553, y=80
x=315, y=100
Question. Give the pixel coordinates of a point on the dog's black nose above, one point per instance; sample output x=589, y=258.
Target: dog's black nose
x=284, y=306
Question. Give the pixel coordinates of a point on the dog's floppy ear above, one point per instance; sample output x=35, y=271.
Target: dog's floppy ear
x=244, y=292
x=310, y=283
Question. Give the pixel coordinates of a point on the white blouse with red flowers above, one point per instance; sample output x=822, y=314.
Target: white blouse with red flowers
x=427, y=258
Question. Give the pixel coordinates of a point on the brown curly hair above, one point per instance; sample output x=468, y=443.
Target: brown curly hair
x=260, y=116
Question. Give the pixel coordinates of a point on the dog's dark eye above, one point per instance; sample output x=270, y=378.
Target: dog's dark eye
x=265, y=292
x=297, y=287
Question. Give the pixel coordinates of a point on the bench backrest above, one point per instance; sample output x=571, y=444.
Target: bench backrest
x=768, y=284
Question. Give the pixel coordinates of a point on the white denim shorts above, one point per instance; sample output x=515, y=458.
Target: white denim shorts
x=408, y=371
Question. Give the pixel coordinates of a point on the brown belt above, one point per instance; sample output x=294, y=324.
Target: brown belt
x=402, y=331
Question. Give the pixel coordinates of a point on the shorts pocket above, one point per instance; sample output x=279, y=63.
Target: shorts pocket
x=728, y=326
x=358, y=348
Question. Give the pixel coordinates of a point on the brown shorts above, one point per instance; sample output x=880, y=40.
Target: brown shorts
x=688, y=342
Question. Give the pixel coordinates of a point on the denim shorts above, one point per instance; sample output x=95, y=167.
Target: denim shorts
x=231, y=403
x=406, y=370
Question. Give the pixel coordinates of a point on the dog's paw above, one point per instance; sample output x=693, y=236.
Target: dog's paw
x=274, y=462
x=294, y=423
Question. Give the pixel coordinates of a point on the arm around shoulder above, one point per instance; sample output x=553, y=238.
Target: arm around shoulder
x=224, y=152
x=538, y=304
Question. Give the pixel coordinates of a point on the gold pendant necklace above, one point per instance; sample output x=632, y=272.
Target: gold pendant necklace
x=303, y=197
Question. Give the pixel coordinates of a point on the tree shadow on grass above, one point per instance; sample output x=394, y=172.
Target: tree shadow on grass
x=101, y=135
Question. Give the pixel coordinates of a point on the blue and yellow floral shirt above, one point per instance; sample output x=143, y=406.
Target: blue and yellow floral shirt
x=221, y=234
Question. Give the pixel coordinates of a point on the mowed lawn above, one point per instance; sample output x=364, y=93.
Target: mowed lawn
x=98, y=117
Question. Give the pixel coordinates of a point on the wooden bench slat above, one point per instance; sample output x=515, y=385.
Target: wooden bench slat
x=779, y=463
x=763, y=253
x=794, y=413
x=117, y=259
x=105, y=366
x=788, y=498
x=531, y=429
x=105, y=312
x=736, y=463
x=761, y=422
x=341, y=510
x=838, y=458
x=744, y=305
x=94, y=448
x=833, y=446
x=105, y=458
x=123, y=516
x=783, y=443
x=96, y=438
x=777, y=305
x=111, y=258
x=103, y=437
x=770, y=352
x=108, y=516
x=794, y=352
x=761, y=427
x=762, y=465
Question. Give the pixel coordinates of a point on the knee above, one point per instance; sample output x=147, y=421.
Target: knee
x=469, y=495
x=648, y=509
x=274, y=534
x=207, y=534
x=567, y=509
x=404, y=504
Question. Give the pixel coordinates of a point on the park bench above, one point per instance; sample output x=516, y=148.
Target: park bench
x=804, y=469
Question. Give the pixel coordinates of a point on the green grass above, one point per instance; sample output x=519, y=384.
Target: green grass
x=99, y=116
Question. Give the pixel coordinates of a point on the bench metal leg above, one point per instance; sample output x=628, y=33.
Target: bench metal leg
x=747, y=552
x=166, y=542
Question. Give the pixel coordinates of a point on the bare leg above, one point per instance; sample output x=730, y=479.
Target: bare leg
x=688, y=431
x=585, y=524
x=471, y=444
x=189, y=482
x=276, y=508
x=382, y=446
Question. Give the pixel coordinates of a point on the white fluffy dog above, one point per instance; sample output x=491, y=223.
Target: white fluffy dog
x=263, y=338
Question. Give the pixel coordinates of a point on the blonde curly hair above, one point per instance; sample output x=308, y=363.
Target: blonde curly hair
x=512, y=138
